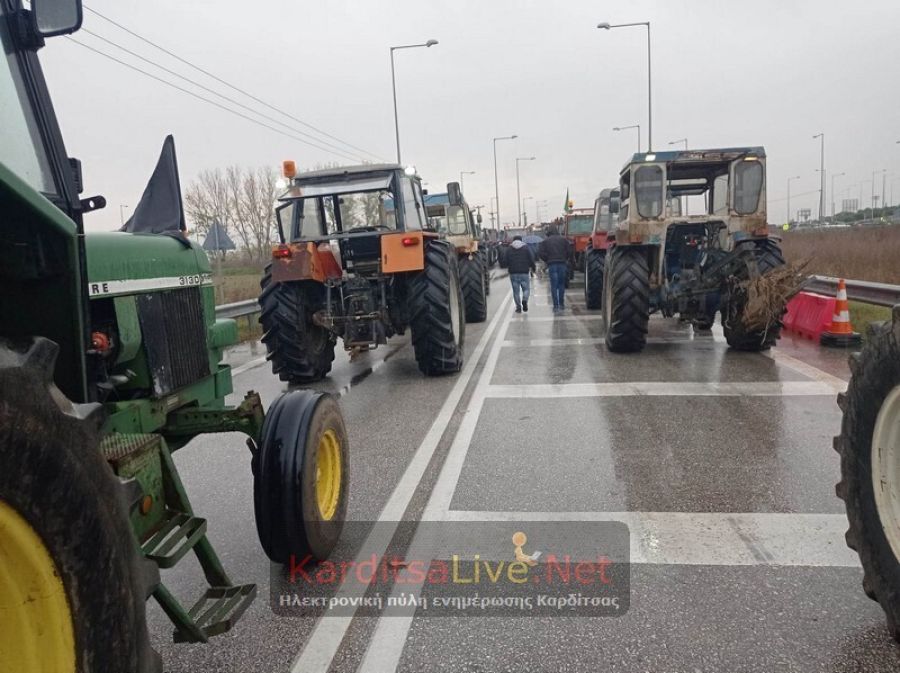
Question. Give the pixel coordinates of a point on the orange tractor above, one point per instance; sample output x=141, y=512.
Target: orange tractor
x=578, y=225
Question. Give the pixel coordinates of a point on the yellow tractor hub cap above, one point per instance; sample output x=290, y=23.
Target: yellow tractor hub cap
x=34, y=610
x=328, y=474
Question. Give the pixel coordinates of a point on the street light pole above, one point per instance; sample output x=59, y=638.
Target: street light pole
x=496, y=182
x=833, y=176
x=430, y=43
x=633, y=126
x=518, y=193
x=607, y=26
x=680, y=140
x=821, y=178
x=122, y=208
x=796, y=177
x=461, y=174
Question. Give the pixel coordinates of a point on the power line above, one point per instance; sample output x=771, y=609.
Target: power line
x=202, y=98
x=228, y=84
x=216, y=93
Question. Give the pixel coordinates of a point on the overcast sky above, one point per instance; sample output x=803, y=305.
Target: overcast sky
x=769, y=73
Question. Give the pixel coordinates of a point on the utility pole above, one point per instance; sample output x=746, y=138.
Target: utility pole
x=821, y=136
x=496, y=182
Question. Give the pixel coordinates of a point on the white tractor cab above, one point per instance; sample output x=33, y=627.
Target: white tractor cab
x=688, y=265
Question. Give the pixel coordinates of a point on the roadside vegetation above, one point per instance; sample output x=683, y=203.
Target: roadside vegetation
x=863, y=253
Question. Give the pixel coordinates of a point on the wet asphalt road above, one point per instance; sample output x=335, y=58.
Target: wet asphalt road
x=720, y=463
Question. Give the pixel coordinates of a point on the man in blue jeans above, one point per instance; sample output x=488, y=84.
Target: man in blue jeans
x=555, y=251
x=520, y=264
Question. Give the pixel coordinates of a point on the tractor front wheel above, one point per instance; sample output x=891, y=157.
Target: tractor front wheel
x=474, y=288
x=626, y=301
x=768, y=257
x=300, y=350
x=436, y=312
x=300, y=475
x=869, y=446
x=73, y=584
x=594, y=263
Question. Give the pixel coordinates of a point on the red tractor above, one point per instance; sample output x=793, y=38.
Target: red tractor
x=606, y=207
x=576, y=228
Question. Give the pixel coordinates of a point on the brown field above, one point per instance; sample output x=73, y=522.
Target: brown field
x=871, y=253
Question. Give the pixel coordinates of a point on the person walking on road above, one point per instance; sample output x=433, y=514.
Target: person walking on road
x=555, y=251
x=520, y=264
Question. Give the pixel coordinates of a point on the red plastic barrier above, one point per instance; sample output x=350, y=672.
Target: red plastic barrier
x=809, y=314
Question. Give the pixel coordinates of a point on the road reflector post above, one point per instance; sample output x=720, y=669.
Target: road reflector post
x=841, y=333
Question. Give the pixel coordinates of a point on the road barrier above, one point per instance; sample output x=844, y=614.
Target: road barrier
x=809, y=314
x=880, y=294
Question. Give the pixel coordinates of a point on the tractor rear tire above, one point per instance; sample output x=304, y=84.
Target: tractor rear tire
x=486, y=259
x=66, y=544
x=437, y=312
x=768, y=257
x=626, y=303
x=594, y=263
x=471, y=280
x=300, y=477
x=870, y=442
x=300, y=350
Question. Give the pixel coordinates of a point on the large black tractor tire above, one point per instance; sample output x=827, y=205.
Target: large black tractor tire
x=62, y=508
x=626, y=302
x=871, y=408
x=501, y=257
x=486, y=259
x=768, y=257
x=437, y=312
x=474, y=288
x=300, y=476
x=594, y=264
x=300, y=350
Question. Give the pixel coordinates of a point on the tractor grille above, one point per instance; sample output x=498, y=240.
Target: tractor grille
x=174, y=336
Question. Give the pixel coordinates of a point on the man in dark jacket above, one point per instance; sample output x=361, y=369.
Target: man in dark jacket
x=555, y=251
x=520, y=264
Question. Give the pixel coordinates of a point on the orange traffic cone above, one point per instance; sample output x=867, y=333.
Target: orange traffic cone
x=841, y=331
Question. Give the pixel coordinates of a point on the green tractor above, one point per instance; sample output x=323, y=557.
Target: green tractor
x=111, y=360
x=869, y=447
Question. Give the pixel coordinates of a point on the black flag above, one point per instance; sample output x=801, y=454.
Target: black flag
x=160, y=209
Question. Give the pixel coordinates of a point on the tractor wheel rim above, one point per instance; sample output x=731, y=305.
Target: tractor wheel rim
x=455, y=312
x=37, y=634
x=328, y=474
x=886, y=468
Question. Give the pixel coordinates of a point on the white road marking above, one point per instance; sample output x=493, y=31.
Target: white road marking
x=524, y=317
x=806, y=369
x=323, y=643
x=719, y=538
x=665, y=388
x=250, y=364
x=386, y=645
x=592, y=341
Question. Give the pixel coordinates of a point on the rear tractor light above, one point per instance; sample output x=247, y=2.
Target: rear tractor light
x=281, y=251
x=410, y=241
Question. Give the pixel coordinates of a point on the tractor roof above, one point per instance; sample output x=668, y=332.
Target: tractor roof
x=437, y=199
x=340, y=171
x=718, y=155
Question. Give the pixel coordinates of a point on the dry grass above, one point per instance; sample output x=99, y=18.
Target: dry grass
x=768, y=295
x=871, y=253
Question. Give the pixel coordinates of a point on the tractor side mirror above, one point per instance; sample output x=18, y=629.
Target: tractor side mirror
x=454, y=194
x=56, y=17
x=479, y=218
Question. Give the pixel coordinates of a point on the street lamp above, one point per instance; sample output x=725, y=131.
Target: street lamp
x=633, y=126
x=122, y=208
x=680, y=140
x=518, y=197
x=461, y=174
x=496, y=183
x=796, y=177
x=607, y=26
x=430, y=43
x=525, y=212
x=833, y=176
x=821, y=178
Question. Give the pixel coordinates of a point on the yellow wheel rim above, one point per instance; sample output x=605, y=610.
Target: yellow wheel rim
x=34, y=610
x=328, y=474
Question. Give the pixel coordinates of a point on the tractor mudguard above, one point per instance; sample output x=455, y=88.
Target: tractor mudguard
x=304, y=261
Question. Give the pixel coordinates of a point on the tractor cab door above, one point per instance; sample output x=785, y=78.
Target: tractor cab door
x=43, y=289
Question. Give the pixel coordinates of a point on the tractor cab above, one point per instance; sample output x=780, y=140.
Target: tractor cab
x=453, y=219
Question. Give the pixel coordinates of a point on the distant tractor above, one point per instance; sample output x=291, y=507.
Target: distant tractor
x=869, y=447
x=506, y=238
x=451, y=216
x=606, y=207
x=111, y=360
x=358, y=260
x=690, y=266
x=576, y=227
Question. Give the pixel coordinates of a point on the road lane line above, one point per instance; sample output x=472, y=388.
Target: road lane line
x=665, y=389
x=553, y=318
x=714, y=538
x=386, y=645
x=806, y=369
x=250, y=364
x=321, y=646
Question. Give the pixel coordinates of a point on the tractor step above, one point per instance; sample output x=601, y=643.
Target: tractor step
x=174, y=539
x=218, y=610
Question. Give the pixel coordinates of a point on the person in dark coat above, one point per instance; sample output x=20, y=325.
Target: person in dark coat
x=556, y=251
x=520, y=264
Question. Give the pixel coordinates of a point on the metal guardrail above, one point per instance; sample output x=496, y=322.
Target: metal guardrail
x=880, y=294
x=237, y=309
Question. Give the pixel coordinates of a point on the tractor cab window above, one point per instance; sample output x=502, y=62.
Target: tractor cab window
x=366, y=211
x=649, y=190
x=580, y=224
x=720, y=195
x=23, y=149
x=456, y=221
x=412, y=207
x=748, y=181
